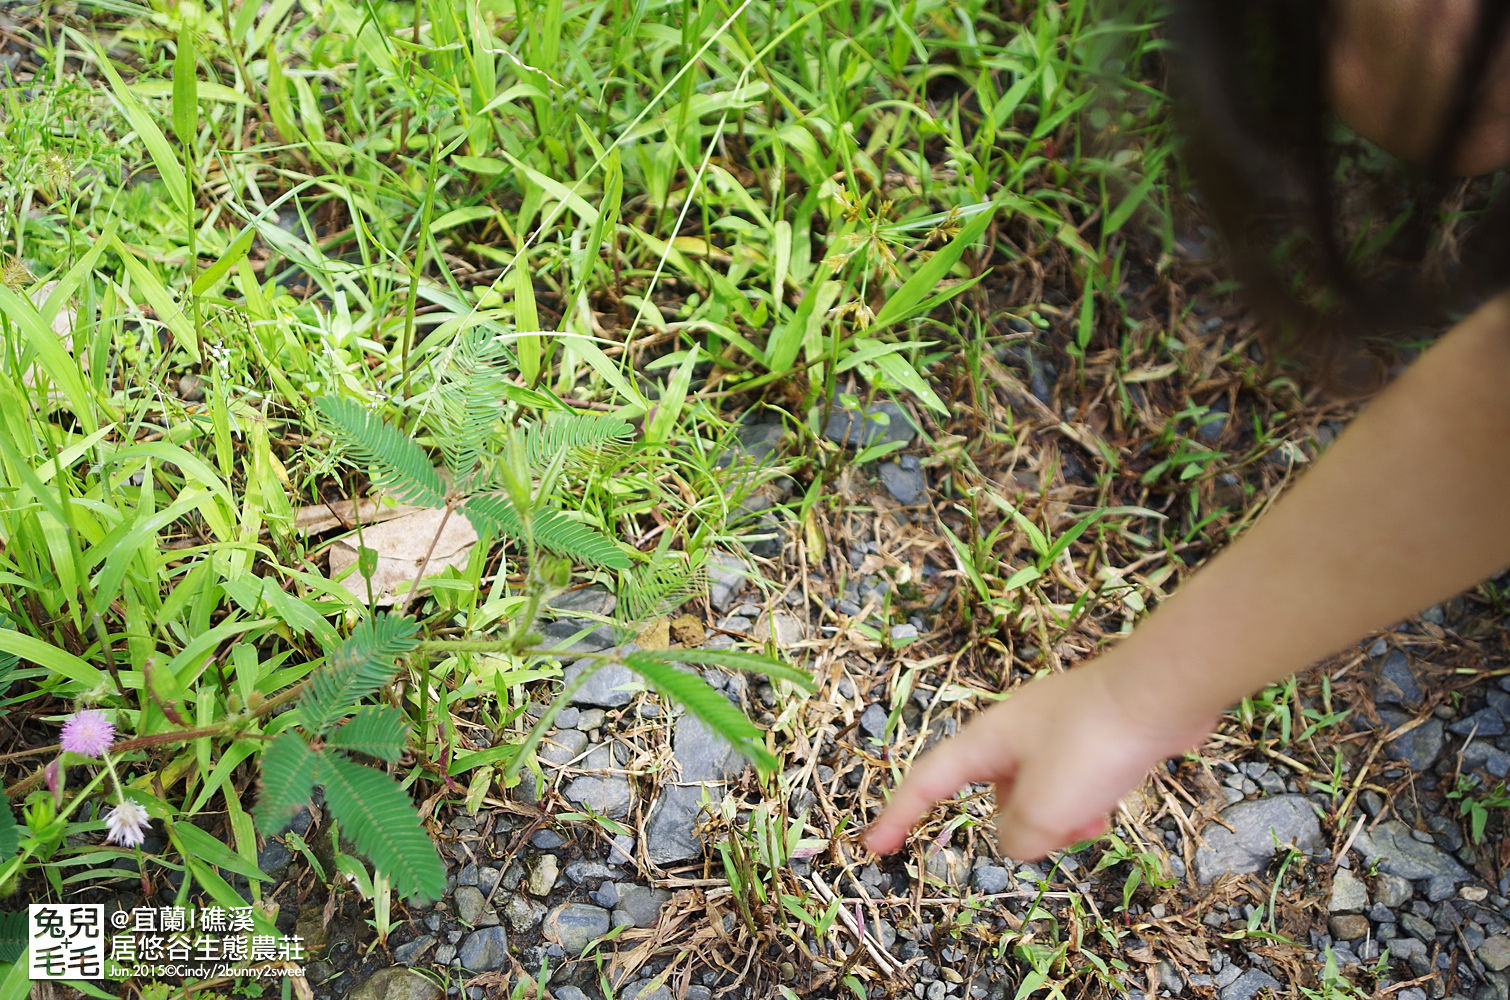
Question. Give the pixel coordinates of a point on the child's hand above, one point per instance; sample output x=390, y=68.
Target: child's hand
x=1062, y=750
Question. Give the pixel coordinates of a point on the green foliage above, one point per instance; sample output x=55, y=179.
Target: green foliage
x=551, y=529
x=369, y=805
x=395, y=462
x=376, y=730
x=1478, y=805
x=14, y=930
x=10, y=833
x=360, y=666
x=379, y=818
x=709, y=705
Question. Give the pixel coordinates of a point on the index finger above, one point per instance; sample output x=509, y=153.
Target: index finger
x=937, y=776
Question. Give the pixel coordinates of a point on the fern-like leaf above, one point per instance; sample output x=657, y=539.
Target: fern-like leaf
x=288, y=778
x=657, y=588
x=396, y=463
x=473, y=382
x=358, y=667
x=14, y=934
x=734, y=659
x=553, y=530
x=376, y=730
x=561, y=431
x=375, y=812
x=709, y=705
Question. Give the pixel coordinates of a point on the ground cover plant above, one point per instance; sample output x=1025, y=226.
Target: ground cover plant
x=352, y=350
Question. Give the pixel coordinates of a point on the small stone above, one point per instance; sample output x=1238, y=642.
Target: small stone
x=905, y=485
x=1495, y=953
x=567, y=717
x=1349, y=894
x=947, y=864
x=397, y=983
x=1397, y=852
x=312, y=928
x=574, y=926
x=610, y=685
x=1348, y=926
x=621, y=850
x=588, y=871
x=903, y=633
x=1258, y=824
x=787, y=628
x=882, y=423
x=1482, y=724
x=590, y=719
x=1421, y=746
x=1392, y=891
x=543, y=875
x=547, y=840
x=191, y=389
x=562, y=747
x=1418, y=927
x=591, y=600
x=1245, y=986
x=410, y=952
x=521, y=913
x=991, y=879
x=1440, y=888
x=640, y=904
x=484, y=950
x=471, y=904
x=873, y=720
x=726, y=578
x=1397, y=682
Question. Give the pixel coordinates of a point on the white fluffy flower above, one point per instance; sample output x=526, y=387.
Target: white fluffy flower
x=128, y=824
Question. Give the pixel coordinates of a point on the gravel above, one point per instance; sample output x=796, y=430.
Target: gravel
x=484, y=950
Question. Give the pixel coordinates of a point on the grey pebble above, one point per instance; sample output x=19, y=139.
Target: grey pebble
x=410, y=951
x=1259, y=825
x=567, y=717
x=484, y=950
x=873, y=720
x=640, y=904
x=905, y=485
x=609, y=686
x=471, y=905
x=576, y=925
x=1249, y=983
x=1398, y=852
x=1397, y=682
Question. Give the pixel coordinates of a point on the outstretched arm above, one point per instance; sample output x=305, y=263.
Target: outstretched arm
x=1410, y=505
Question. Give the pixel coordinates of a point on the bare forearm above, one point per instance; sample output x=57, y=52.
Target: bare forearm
x=1410, y=505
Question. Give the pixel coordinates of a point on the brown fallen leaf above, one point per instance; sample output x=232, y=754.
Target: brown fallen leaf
x=318, y=517
x=401, y=545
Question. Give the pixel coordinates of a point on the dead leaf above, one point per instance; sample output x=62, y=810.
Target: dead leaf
x=657, y=635
x=320, y=517
x=688, y=630
x=401, y=545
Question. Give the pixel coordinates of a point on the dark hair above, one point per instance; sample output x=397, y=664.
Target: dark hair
x=1290, y=189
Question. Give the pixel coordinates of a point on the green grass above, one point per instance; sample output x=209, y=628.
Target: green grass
x=664, y=215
